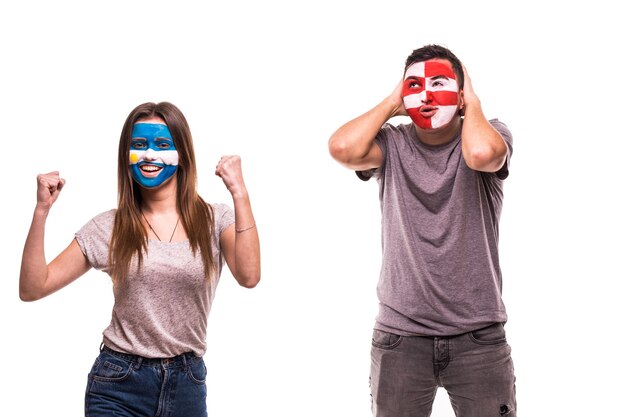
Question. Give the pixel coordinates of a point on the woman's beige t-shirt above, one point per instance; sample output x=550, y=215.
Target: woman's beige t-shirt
x=160, y=310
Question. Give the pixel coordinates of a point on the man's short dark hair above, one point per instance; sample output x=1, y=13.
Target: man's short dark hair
x=437, y=51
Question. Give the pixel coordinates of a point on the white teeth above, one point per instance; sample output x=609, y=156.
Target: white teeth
x=150, y=168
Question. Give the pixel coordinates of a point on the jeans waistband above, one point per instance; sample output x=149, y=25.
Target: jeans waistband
x=180, y=360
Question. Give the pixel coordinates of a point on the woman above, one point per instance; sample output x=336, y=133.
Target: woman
x=163, y=249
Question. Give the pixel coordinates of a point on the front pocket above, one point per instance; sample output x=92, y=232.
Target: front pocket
x=490, y=335
x=196, y=370
x=112, y=369
x=384, y=340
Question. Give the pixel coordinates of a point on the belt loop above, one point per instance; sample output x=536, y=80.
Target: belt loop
x=102, y=346
x=184, y=355
x=138, y=363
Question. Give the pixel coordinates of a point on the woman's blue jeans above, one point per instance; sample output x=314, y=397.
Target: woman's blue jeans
x=129, y=385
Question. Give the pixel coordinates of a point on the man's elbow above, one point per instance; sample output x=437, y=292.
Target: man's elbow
x=350, y=157
x=485, y=159
x=339, y=150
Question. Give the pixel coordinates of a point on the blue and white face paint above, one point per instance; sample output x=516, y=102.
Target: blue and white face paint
x=153, y=156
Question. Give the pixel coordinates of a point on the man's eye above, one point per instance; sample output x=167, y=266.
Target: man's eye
x=439, y=83
x=415, y=84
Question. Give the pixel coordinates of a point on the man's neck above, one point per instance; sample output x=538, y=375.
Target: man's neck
x=442, y=135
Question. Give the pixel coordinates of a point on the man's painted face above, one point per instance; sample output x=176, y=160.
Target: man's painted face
x=430, y=94
x=153, y=157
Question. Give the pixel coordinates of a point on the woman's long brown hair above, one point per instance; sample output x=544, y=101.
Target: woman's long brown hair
x=129, y=236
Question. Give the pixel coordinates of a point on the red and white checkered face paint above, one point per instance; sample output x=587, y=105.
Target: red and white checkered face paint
x=430, y=94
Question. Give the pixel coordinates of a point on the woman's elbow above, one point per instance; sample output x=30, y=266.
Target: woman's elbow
x=29, y=296
x=249, y=283
x=249, y=280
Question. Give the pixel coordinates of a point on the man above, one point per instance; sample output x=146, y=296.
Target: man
x=441, y=316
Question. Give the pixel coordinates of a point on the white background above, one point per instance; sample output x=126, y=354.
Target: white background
x=271, y=81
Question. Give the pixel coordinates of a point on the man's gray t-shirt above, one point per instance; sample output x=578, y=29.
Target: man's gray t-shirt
x=160, y=310
x=440, y=273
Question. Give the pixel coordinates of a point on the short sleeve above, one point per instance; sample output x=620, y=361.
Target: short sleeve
x=504, y=131
x=94, y=239
x=381, y=141
x=223, y=217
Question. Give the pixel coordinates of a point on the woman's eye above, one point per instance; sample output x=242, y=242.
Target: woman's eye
x=163, y=145
x=138, y=145
x=414, y=85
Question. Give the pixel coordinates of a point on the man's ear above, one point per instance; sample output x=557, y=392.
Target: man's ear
x=461, y=104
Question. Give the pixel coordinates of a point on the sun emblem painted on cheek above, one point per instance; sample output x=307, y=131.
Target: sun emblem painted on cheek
x=133, y=158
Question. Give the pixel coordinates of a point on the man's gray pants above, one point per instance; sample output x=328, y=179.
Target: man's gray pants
x=475, y=369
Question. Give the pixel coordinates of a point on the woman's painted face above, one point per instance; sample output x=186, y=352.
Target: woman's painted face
x=430, y=93
x=153, y=156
